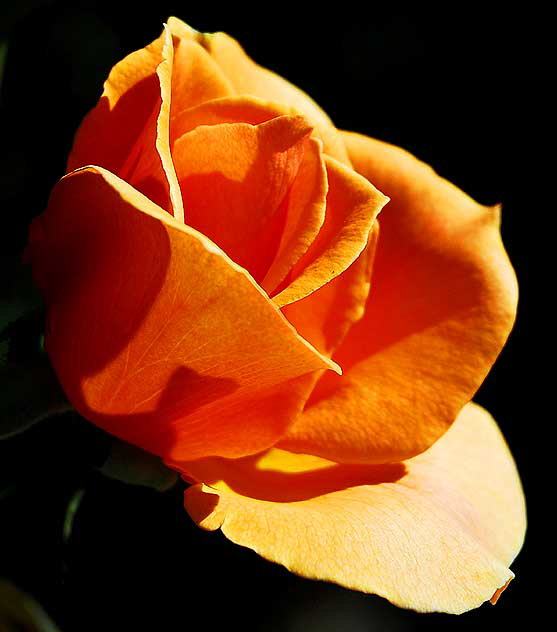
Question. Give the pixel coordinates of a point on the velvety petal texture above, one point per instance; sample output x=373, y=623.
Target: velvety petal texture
x=155, y=334
x=442, y=305
x=434, y=533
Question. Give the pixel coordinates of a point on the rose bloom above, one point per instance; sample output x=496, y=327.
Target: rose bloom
x=207, y=269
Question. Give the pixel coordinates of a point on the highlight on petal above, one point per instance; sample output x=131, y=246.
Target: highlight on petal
x=237, y=181
x=248, y=78
x=155, y=334
x=435, y=533
x=149, y=167
x=443, y=303
x=165, y=73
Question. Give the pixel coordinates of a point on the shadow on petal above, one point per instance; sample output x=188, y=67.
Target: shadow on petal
x=279, y=476
x=155, y=431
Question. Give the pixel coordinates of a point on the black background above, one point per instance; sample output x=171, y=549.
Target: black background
x=448, y=86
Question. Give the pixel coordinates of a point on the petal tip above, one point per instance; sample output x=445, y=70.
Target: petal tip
x=495, y=598
x=495, y=211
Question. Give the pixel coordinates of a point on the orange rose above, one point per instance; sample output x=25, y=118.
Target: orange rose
x=207, y=278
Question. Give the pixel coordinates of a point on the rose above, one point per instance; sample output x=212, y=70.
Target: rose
x=206, y=267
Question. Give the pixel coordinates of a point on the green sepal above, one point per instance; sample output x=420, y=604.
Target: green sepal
x=129, y=464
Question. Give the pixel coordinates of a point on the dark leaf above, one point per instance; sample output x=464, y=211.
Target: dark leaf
x=21, y=613
x=30, y=392
x=18, y=293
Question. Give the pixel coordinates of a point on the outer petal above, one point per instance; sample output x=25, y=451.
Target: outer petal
x=236, y=180
x=131, y=95
x=156, y=335
x=436, y=533
x=149, y=166
x=128, y=131
x=443, y=302
x=251, y=79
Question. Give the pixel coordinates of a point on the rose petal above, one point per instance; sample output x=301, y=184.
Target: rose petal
x=149, y=167
x=166, y=74
x=235, y=180
x=128, y=131
x=155, y=334
x=307, y=195
x=306, y=212
x=442, y=305
x=244, y=109
x=352, y=207
x=131, y=95
x=435, y=533
x=325, y=316
x=248, y=78
x=196, y=78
